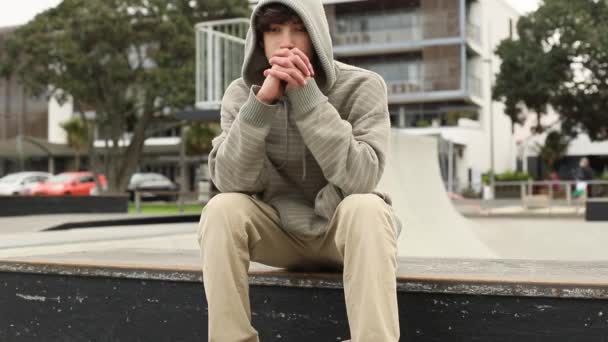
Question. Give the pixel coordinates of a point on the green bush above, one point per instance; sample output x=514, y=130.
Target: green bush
x=423, y=123
x=507, y=176
x=470, y=193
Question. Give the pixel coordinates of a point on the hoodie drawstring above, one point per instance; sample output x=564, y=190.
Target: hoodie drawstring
x=284, y=164
x=303, y=162
x=286, y=154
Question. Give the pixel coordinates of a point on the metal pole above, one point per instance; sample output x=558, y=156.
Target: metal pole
x=209, y=63
x=464, y=86
x=19, y=143
x=491, y=110
x=182, y=168
x=51, y=164
x=550, y=185
x=450, y=166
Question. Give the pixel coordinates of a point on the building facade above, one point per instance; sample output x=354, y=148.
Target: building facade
x=21, y=114
x=438, y=62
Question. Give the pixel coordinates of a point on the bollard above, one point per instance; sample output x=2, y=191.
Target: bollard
x=181, y=202
x=138, y=202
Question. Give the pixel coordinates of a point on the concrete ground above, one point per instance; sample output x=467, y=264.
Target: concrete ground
x=544, y=239
x=510, y=238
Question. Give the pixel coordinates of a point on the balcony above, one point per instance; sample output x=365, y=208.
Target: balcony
x=378, y=37
x=393, y=31
x=459, y=116
x=405, y=87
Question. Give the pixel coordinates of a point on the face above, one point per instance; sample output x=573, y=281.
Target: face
x=288, y=35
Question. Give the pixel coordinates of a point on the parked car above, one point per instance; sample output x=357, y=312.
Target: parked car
x=21, y=183
x=147, y=183
x=68, y=183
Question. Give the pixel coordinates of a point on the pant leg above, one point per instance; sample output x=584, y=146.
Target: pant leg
x=364, y=235
x=234, y=229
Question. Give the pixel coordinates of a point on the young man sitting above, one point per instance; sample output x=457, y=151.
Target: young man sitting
x=303, y=145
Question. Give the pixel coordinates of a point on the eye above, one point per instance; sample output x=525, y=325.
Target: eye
x=301, y=28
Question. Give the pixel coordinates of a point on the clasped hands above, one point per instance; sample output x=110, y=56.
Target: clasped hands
x=290, y=69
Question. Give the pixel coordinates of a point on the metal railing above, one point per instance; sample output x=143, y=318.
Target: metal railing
x=220, y=52
x=379, y=37
x=553, y=189
x=421, y=27
x=547, y=194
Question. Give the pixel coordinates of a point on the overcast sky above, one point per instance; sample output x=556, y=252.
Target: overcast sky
x=16, y=12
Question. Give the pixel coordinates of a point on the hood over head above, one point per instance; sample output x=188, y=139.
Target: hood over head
x=313, y=16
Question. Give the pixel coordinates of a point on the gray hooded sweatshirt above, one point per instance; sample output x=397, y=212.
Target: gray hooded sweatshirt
x=315, y=146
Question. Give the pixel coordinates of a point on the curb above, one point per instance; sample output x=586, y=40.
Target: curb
x=126, y=222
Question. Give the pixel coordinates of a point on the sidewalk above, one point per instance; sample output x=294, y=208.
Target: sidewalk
x=514, y=209
x=467, y=207
x=37, y=223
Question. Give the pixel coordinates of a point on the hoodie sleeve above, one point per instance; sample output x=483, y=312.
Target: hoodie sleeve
x=238, y=162
x=352, y=152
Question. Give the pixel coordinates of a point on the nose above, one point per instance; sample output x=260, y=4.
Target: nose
x=287, y=40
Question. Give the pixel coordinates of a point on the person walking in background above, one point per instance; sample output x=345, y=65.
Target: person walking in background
x=303, y=146
x=583, y=174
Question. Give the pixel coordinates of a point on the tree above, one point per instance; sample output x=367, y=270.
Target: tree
x=559, y=60
x=131, y=61
x=78, y=137
x=553, y=149
x=199, y=136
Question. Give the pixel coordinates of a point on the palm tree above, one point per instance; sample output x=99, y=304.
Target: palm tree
x=554, y=148
x=199, y=136
x=77, y=134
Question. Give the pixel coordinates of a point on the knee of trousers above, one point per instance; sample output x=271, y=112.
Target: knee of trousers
x=225, y=213
x=366, y=215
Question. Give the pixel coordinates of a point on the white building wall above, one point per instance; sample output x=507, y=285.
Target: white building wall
x=494, y=18
x=497, y=17
x=57, y=115
x=529, y=141
x=468, y=134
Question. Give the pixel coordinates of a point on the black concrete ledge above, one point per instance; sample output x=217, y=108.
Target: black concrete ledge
x=78, y=302
x=470, y=277
x=597, y=209
x=39, y=205
x=134, y=221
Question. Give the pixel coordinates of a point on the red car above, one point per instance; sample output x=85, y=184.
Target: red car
x=68, y=183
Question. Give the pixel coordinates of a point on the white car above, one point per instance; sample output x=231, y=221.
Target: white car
x=21, y=183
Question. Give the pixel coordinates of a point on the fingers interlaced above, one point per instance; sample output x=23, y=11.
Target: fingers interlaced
x=292, y=76
x=293, y=58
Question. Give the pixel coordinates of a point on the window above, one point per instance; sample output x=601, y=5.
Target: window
x=86, y=179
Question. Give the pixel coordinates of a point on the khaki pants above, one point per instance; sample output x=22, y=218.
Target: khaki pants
x=236, y=229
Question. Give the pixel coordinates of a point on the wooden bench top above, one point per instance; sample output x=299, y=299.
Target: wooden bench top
x=464, y=276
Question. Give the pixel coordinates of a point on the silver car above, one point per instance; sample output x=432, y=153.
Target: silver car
x=21, y=183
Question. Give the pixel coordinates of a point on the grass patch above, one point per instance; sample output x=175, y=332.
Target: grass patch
x=165, y=208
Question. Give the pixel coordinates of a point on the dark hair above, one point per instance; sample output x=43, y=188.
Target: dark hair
x=274, y=14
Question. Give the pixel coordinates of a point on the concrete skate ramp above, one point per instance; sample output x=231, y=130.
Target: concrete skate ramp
x=431, y=225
